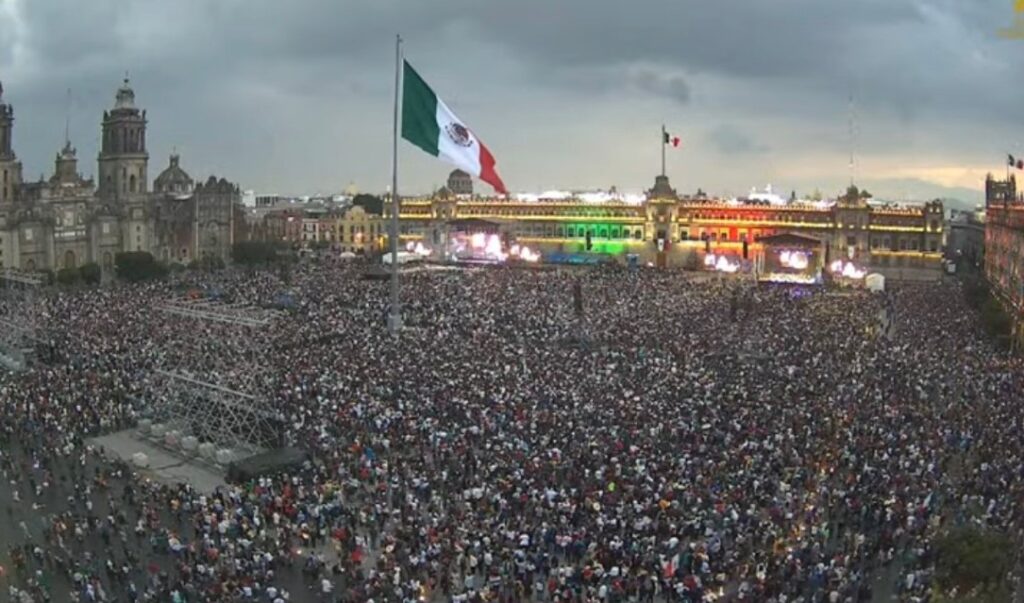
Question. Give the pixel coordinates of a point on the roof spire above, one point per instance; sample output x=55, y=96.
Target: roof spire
x=67, y=123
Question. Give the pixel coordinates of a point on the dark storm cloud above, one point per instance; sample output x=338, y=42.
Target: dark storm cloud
x=670, y=86
x=729, y=140
x=295, y=95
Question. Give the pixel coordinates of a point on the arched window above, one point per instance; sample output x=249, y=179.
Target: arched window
x=69, y=259
x=131, y=185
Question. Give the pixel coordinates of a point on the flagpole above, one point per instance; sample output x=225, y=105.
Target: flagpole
x=395, y=315
x=662, y=149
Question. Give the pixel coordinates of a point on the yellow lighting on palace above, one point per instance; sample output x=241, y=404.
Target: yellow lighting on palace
x=579, y=239
x=896, y=228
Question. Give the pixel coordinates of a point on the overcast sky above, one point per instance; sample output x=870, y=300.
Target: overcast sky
x=296, y=97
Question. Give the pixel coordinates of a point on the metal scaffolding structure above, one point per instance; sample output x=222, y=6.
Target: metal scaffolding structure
x=213, y=405
x=228, y=419
x=19, y=318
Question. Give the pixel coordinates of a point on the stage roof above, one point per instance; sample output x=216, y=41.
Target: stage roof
x=790, y=239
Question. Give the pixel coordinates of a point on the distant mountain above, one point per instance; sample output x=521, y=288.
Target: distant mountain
x=949, y=203
x=911, y=190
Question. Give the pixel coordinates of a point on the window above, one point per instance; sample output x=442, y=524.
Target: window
x=28, y=234
x=851, y=241
x=106, y=228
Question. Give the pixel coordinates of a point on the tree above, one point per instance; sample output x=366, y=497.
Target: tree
x=135, y=266
x=47, y=276
x=973, y=564
x=91, y=273
x=68, y=276
x=792, y=195
x=211, y=263
x=997, y=322
x=371, y=204
x=254, y=252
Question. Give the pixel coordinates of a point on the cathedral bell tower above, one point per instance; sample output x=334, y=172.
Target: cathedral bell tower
x=123, y=160
x=10, y=169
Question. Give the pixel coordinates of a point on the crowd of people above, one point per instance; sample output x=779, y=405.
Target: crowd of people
x=670, y=444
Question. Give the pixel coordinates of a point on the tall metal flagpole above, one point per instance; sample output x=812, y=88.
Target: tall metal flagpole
x=395, y=315
x=662, y=149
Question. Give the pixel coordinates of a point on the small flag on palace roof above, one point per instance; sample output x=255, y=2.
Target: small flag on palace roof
x=672, y=140
x=429, y=124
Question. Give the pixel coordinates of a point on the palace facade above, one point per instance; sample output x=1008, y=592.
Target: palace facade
x=68, y=220
x=679, y=230
x=1004, y=246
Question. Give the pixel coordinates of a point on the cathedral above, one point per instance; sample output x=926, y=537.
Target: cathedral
x=67, y=220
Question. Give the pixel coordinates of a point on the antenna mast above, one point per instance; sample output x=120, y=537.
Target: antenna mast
x=67, y=122
x=852, y=125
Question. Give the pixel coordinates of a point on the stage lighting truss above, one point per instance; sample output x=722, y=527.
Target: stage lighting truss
x=19, y=316
x=210, y=385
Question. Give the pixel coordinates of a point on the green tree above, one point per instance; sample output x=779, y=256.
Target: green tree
x=91, y=273
x=254, y=252
x=997, y=322
x=135, y=266
x=48, y=276
x=973, y=564
x=371, y=204
x=68, y=276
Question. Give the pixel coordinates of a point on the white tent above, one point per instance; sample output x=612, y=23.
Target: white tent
x=404, y=257
x=346, y=255
x=875, y=282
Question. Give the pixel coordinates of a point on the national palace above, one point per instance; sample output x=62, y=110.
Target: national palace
x=68, y=220
x=677, y=230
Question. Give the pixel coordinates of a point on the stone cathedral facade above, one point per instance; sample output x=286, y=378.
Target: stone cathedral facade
x=67, y=220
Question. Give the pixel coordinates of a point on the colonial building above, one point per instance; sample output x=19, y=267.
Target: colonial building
x=680, y=230
x=68, y=220
x=1004, y=246
x=965, y=242
x=360, y=231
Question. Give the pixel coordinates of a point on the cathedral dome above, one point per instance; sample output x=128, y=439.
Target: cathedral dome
x=173, y=179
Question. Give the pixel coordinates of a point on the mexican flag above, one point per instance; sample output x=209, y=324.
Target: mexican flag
x=429, y=124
